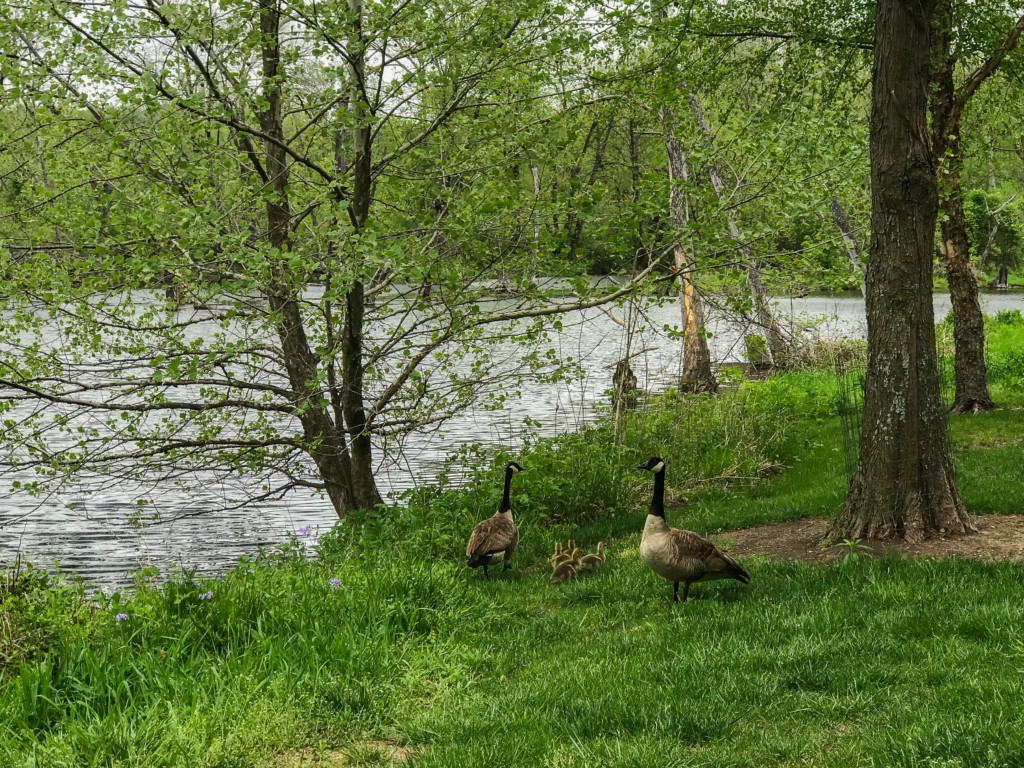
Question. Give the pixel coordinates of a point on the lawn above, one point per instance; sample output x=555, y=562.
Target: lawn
x=410, y=658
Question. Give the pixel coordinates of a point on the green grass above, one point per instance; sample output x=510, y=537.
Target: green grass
x=866, y=662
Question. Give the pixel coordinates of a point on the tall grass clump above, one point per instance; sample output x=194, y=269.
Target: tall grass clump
x=283, y=648
x=590, y=475
x=1004, y=348
x=1004, y=353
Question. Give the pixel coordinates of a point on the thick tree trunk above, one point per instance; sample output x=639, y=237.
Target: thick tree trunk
x=969, y=369
x=846, y=231
x=697, y=375
x=777, y=345
x=323, y=442
x=903, y=486
x=363, y=484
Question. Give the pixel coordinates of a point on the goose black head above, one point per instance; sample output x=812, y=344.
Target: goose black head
x=654, y=464
x=513, y=467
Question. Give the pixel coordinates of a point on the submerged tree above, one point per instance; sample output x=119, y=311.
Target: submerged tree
x=904, y=485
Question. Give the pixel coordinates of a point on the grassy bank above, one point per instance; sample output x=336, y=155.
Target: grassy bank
x=407, y=656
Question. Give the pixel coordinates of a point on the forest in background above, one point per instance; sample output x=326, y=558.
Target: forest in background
x=538, y=145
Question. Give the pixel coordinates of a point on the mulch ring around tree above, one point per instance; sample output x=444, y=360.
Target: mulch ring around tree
x=999, y=537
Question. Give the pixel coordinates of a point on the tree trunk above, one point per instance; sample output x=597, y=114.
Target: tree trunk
x=903, y=486
x=762, y=307
x=634, y=196
x=969, y=368
x=843, y=225
x=536, y=224
x=993, y=224
x=697, y=375
x=576, y=222
x=323, y=442
x=364, y=486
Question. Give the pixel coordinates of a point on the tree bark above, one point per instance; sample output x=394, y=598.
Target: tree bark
x=843, y=225
x=364, y=486
x=777, y=345
x=993, y=230
x=904, y=485
x=574, y=220
x=969, y=369
x=697, y=375
x=535, y=171
x=323, y=442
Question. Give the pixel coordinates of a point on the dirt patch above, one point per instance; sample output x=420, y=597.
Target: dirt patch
x=988, y=442
x=365, y=753
x=999, y=537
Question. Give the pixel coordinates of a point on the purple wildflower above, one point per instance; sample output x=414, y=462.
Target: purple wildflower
x=205, y=595
x=305, y=530
x=222, y=576
x=335, y=583
x=315, y=540
x=121, y=617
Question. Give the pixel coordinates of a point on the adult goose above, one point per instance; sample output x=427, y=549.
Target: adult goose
x=682, y=557
x=497, y=536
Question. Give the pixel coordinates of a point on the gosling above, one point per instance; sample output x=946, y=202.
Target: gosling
x=592, y=561
x=567, y=569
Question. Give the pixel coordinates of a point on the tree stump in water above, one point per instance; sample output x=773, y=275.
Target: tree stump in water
x=174, y=291
x=1003, y=279
x=624, y=387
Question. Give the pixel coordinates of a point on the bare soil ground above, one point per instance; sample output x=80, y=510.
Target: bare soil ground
x=365, y=753
x=999, y=537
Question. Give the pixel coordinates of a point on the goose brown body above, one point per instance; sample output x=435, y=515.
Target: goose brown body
x=497, y=536
x=682, y=557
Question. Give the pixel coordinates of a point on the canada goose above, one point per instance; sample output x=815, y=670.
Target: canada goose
x=557, y=554
x=498, y=535
x=563, y=572
x=678, y=555
x=563, y=555
x=568, y=568
x=592, y=561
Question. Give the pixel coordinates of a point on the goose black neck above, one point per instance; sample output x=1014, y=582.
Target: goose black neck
x=657, y=507
x=506, y=505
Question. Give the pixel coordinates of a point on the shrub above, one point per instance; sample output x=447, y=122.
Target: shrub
x=1009, y=317
x=590, y=475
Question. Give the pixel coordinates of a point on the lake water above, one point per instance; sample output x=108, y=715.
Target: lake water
x=92, y=536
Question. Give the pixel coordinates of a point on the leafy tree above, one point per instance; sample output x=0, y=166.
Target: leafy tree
x=302, y=172
x=904, y=485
